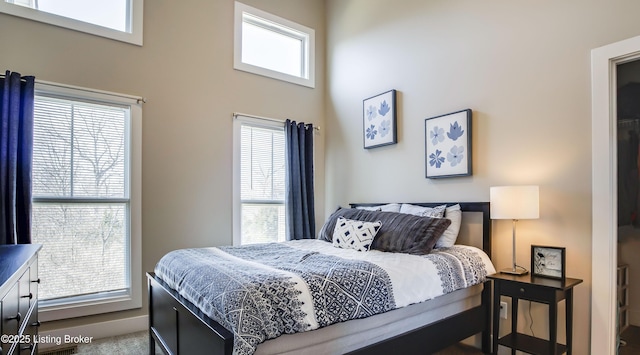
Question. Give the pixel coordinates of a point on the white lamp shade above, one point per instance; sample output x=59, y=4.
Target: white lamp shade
x=514, y=202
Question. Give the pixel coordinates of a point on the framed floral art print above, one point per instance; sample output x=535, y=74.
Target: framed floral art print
x=379, y=120
x=448, y=145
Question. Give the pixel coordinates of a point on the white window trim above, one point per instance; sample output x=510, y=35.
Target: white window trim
x=239, y=120
x=116, y=301
x=134, y=37
x=308, y=81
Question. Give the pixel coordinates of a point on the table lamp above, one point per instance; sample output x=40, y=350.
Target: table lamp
x=514, y=203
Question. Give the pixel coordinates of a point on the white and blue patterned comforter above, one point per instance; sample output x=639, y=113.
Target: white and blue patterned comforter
x=262, y=291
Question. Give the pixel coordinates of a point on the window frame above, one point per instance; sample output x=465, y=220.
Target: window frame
x=85, y=305
x=281, y=26
x=135, y=17
x=238, y=121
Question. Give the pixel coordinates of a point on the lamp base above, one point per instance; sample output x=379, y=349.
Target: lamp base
x=517, y=271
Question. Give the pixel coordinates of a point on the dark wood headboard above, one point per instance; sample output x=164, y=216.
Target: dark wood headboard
x=480, y=207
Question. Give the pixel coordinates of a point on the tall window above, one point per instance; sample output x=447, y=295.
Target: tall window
x=260, y=164
x=82, y=198
x=116, y=19
x=271, y=46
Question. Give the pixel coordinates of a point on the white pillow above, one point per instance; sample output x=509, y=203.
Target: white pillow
x=448, y=238
x=352, y=234
x=389, y=207
x=434, y=212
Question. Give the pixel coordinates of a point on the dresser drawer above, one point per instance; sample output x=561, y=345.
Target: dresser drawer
x=34, y=281
x=26, y=297
x=11, y=318
x=31, y=332
x=526, y=291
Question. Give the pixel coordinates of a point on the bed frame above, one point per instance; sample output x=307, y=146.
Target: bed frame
x=179, y=327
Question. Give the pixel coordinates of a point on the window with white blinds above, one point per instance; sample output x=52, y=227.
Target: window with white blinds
x=79, y=149
x=117, y=19
x=261, y=182
x=82, y=198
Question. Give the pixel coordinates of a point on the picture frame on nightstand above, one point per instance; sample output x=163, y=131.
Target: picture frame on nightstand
x=549, y=262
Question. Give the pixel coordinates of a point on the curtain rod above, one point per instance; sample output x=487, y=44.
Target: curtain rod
x=236, y=114
x=138, y=99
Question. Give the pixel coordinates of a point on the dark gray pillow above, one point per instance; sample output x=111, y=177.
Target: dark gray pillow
x=400, y=232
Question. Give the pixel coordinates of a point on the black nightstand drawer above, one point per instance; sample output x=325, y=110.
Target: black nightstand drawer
x=526, y=292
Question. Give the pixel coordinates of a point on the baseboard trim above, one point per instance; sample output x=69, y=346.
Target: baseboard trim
x=97, y=330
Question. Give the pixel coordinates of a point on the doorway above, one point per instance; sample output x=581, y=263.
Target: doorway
x=604, y=305
x=628, y=216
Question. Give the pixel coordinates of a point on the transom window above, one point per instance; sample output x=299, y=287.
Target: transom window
x=116, y=19
x=272, y=46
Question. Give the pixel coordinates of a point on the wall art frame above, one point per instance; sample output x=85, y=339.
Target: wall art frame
x=379, y=120
x=448, y=145
x=549, y=262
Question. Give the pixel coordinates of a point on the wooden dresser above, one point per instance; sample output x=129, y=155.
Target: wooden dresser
x=19, y=299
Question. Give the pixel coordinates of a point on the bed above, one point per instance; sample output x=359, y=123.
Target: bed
x=180, y=322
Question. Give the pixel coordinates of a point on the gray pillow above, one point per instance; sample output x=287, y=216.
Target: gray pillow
x=400, y=232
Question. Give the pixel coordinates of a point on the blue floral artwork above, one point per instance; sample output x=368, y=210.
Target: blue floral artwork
x=371, y=113
x=436, y=159
x=455, y=155
x=385, y=128
x=384, y=108
x=455, y=131
x=448, y=154
x=437, y=135
x=379, y=120
x=371, y=132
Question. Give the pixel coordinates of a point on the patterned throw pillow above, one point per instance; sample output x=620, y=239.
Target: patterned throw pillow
x=433, y=212
x=389, y=207
x=352, y=234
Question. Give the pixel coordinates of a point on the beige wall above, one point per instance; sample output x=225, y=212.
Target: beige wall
x=523, y=67
x=185, y=71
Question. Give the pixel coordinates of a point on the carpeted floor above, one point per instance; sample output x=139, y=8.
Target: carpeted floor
x=137, y=344
x=131, y=344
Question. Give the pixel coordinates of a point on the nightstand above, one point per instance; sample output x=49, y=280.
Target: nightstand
x=536, y=289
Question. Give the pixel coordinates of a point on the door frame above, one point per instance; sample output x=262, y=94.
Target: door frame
x=604, y=238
